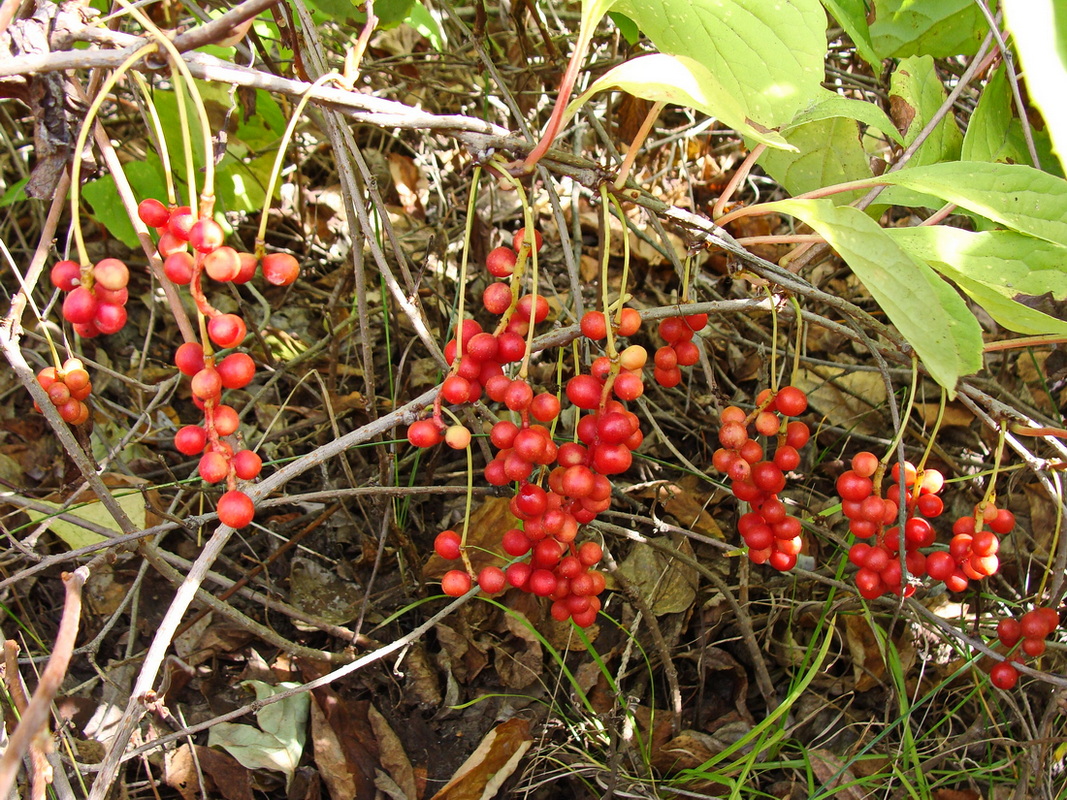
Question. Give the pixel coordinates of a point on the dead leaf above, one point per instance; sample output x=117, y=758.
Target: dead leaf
x=680, y=502
x=322, y=593
x=667, y=585
x=222, y=774
x=487, y=524
x=845, y=399
x=494, y=761
x=826, y=765
x=411, y=186
x=391, y=754
x=342, y=738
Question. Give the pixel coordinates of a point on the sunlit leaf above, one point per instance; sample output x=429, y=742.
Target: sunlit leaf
x=993, y=267
x=767, y=55
x=937, y=28
x=1040, y=31
x=927, y=311
x=682, y=81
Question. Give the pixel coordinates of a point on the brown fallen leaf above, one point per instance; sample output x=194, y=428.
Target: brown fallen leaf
x=391, y=754
x=222, y=774
x=494, y=761
x=826, y=766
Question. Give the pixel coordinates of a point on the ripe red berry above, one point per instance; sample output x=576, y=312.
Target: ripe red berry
x=497, y=298
x=791, y=401
x=213, y=467
x=527, y=309
x=236, y=370
x=447, y=545
x=492, y=580
x=455, y=583
x=222, y=264
x=79, y=306
x=247, y=464
x=65, y=275
x=179, y=267
x=629, y=322
x=501, y=262
x=1009, y=632
x=249, y=264
x=206, y=384
x=1034, y=625
x=520, y=237
x=594, y=326
x=584, y=391
x=227, y=330
x=424, y=433
x=1004, y=675
x=190, y=440
x=109, y=318
x=169, y=244
x=205, y=235
x=280, y=269
x=235, y=509
x=153, y=213
x=189, y=358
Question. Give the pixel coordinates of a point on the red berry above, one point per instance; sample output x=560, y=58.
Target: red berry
x=424, y=433
x=205, y=235
x=687, y=353
x=797, y=434
x=169, y=244
x=1009, y=632
x=791, y=401
x=189, y=358
x=1003, y=675
x=940, y=565
x=852, y=486
x=594, y=326
x=629, y=322
x=447, y=545
x=179, y=267
x=249, y=264
x=227, y=330
x=109, y=318
x=153, y=213
x=222, y=264
x=628, y=386
x=520, y=237
x=1034, y=625
x=65, y=275
x=236, y=370
x=181, y=221
x=527, y=309
x=1033, y=647
x=501, y=262
x=247, y=464
x=235, y=509
x=213, y=467
x=206, y=384
x=280, y=269
x=492, y=580
x=584, y=391
x=190, y=440
x=79, y=306
x=455, y=583
x=1003, y=522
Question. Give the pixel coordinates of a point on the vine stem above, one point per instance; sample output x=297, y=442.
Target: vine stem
x=79, y=146
x=468, y=500
x=740, y=174
x=279, y=157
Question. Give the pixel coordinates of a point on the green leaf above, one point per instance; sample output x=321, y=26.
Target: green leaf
x=928, y=313
x=627, y=27
x=988, y=136
x=1040, y=31
x=768, y=56
x=278, y=742
x=937, y=28
x=829, y=151
x=1019, y=197
x=682, y=81
x=13, y=193
x=425, y=23
x=852, y=16
x=915, y=95
x=74, y=535
x=834, y=105
x=107, y=207
x=994, y=267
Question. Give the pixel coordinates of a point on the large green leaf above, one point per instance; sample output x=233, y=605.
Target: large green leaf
x=927, y=311
x=829, y=151
x=1019, y=197
x=937, y=28
x=1040, y=31
x=994, y=267
x=768, y=56
x=851, y=15
x=682, y=81
x=831, y=105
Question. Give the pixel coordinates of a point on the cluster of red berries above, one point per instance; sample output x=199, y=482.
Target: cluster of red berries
x=679, y=351
x=771, y=534
x=179, y=228
x=218, y=459
x=972, y=551
x=873, y=517
x=501, y=299
x=68, y=387
x=96, y=295
x=1033, y=628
